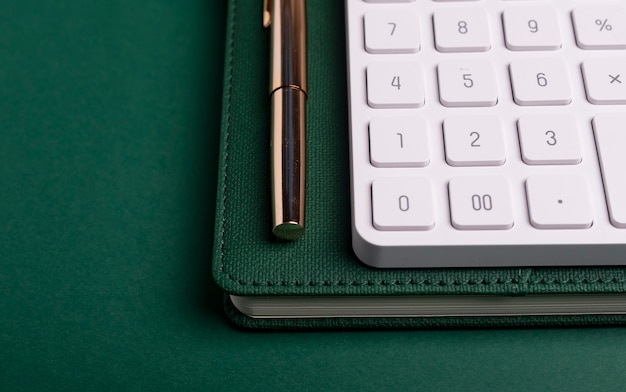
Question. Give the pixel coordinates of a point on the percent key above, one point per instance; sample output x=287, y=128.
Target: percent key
x=600, y=26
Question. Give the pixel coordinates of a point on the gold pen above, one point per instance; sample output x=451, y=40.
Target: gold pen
x=288, y=94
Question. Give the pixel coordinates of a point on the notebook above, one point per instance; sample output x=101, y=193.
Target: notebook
x=317, y=281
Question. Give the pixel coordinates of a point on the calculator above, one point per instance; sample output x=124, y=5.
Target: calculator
x=487, y=133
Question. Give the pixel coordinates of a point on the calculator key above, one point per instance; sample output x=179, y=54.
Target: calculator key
x=600, y=26
x=467, y=83
x=611, y=144
x=392, y=32
x=480, y=203
x=549, y=139
x=540, y=82
x=395, y=85
x=559, y=202
x=399, y=142
x=389, y=1
x=461, y=30
x=531, y=28
x=474, y=141
x=605, y=80
x=403, y=204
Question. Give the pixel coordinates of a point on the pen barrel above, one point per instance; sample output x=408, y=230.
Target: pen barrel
x=288, y=162
x=288, y=32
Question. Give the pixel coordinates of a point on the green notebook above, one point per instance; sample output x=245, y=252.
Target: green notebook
x=316, y=281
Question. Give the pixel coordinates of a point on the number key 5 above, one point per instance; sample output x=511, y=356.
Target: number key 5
x=467, y=83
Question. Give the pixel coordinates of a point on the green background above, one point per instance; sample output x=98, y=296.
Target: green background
x=109, y=124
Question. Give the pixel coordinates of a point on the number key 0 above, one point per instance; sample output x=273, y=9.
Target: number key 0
x=403, y=203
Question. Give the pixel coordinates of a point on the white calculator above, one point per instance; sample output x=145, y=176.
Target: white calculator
x=487, y=133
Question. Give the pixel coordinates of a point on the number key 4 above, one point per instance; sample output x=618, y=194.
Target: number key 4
x=395, y=85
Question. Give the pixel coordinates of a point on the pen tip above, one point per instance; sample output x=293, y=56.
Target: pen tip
x=288, y=231
x=266, y=19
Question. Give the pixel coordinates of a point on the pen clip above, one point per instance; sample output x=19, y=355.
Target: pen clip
x=267, y=14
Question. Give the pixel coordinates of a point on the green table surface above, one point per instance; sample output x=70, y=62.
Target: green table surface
x=109, y=120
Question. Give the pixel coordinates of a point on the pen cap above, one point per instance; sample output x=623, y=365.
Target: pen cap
x=288, y=162
x=288, y=31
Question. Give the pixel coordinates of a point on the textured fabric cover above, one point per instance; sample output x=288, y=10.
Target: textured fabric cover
x=248, y=261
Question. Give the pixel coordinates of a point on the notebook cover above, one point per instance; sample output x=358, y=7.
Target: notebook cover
x=249, y=261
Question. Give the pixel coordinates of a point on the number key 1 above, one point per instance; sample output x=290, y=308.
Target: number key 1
x=399, y=142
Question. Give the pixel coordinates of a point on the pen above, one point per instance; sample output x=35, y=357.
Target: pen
x=288, y=95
